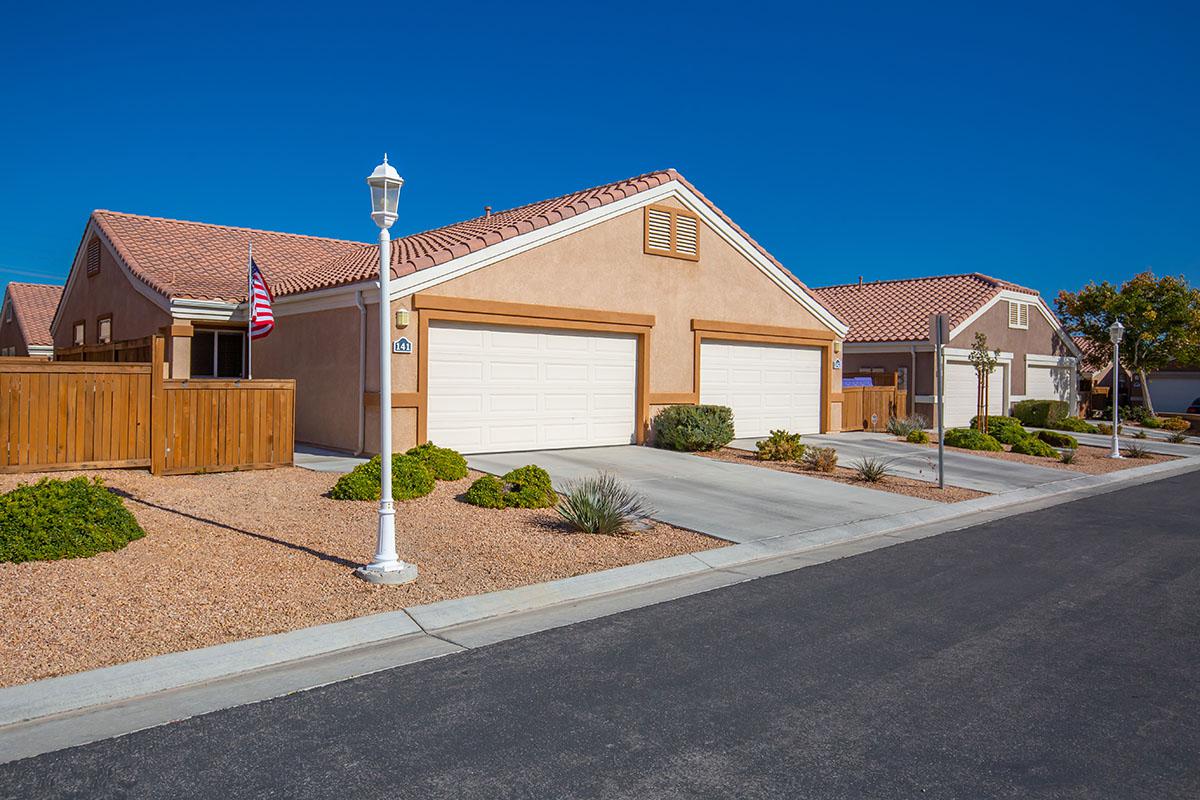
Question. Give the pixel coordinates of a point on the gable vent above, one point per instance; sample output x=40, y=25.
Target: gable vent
x=672, y=232
x=1018, y=315
x=685, y=235
x=658, y=229
x=93, y=256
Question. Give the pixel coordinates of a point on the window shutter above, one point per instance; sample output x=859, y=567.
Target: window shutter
x=685, y=235
x=1024, y=315
x=658, y=229
x=93, y=256
x=1014, y=315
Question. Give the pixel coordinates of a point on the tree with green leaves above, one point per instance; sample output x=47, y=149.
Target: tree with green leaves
x=1161, y=318
x=985, y=362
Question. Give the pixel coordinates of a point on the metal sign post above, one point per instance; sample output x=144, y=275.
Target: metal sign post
x=939, y=332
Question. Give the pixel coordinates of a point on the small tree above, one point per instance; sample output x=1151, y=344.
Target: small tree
x=985, y=362
x=1161, y=318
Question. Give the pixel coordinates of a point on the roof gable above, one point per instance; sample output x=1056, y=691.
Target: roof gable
x=33, y=307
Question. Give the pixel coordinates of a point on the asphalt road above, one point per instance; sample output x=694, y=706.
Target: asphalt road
x=1055, y=654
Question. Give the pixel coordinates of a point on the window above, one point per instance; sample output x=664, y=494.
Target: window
x=672, y=232
x=217, y=354
x=93, y=256
x=77, y=334
x=104, y=329
x=1018, y=315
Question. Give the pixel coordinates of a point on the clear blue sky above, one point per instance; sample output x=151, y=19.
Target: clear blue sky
x=1045, y=144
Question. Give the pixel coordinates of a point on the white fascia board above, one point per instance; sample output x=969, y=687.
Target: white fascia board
x=40, y=349
x=1049, y=361
x=326, y=299
x=921, y=346
x=93, y=229
x=428, y=278
x=214, y=310
x=961, y=354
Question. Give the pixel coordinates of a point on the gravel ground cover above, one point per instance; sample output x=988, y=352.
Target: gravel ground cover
x=233, y=555
x=1088, y=460
x=891, y=483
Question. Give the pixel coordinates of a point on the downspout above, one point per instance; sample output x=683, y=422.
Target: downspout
x=362, y=371
x=912, y=381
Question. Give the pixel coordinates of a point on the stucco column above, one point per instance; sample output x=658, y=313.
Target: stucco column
x=179, y=336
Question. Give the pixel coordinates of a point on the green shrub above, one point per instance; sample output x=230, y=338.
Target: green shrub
x=903, y=426
x=444, y=463
x=1006, y=430
x=1040, y=413
x=602, y=504
x=1178, y=437
x=1074, y=425
x=1033, y=446
x=917, y=436
x=1106, y=429
x=1134, y=450
x=486, y=492
x=872, y=469
x=971, y=439
x=1153, y=423
x=1131, y=413
x=780, y=446
x=820, y=459
x=1175, y=424
x=410, y=479
x=54, y=519
x=529, y=487
x=1056, y=439
x=1139, y=434
x=693, y=428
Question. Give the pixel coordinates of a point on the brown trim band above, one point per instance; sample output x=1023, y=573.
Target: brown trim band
x=837, y=397
x=562, y=313
x=674, y=399
x=178, y=329
x=399, y=399
x=717, y=326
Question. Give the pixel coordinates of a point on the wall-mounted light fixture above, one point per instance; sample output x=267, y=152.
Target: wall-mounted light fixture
x=837, y=347
x=402, y=318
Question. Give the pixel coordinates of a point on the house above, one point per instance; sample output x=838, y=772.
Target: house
x=889, y=332
x=25, y=319
x=564, y=323
x=1173, y=389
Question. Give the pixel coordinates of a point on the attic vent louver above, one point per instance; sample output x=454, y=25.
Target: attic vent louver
x=672, y=232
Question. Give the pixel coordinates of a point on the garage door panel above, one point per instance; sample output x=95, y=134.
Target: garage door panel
x=767, y=386
x=962, y=391
x=524, y=388
x=1048, y=383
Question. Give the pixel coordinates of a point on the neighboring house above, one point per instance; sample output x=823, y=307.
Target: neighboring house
x=1174, y=389
x=25, y=319
x=889, y=332
x=568, y=322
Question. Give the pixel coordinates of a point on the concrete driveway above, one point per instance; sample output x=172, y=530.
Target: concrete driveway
x=736, y=502
x=913, y=461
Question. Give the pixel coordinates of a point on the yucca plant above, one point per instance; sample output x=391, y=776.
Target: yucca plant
x=1178, y=437
x=872, y=469
x=602, y=504
x=1135, y=450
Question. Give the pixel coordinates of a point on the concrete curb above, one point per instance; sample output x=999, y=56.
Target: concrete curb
x=52, y=697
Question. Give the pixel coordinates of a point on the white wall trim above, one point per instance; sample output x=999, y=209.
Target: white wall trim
x=428, y=278
x=326, y=299
x=921, y=346
x=212, y=310
x=40, y=349
x=76, y=265
x=1032, y=359
x=963, y=354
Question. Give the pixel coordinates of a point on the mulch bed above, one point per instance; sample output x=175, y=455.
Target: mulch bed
x=233, y=555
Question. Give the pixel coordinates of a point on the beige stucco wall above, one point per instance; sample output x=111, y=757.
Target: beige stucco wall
x=1040, y=339
x=110, y=291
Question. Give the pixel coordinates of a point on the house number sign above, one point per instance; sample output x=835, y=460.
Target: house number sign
x=402, y=346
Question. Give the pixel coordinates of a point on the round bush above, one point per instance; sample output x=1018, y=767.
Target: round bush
x=486, y=492
x=444, y=463
x=529, y=487
x=971, y=439
x=1176, y=424
x=1034, y=446
x=1075, y=425
x=54, y=519
x=1006, y=430
x=693, y=428
x=1057, y=439
x=410, y=479
x=780, y=446
x=917, y=437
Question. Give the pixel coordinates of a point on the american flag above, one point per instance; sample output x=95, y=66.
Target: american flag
x=262, y=321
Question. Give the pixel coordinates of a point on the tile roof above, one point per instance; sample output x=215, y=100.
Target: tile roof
x=34, y=305
x=898, y=311
x=207, y=262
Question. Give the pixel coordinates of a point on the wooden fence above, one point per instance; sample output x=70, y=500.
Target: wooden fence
x=881, y=402
x=123, y=352
x=56, y=416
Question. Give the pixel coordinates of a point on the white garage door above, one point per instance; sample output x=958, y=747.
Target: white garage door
x=962, y=393
x=1174, y=393
x=1049, y=383
x=493, y=389
x=768, y=386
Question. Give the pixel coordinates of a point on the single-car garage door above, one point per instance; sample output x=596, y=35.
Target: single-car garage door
x=962, y=393
x=494, y=388
x=768, y=386
x=1044, y=382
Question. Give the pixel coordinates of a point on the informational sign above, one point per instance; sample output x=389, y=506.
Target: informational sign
x=402, y=346
x=837, y=363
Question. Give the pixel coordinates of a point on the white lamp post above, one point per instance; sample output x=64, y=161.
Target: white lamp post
x=387, y=567
x=1115, y=332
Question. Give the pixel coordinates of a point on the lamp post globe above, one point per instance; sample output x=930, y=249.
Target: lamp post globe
x=386, y=567
x=1116, y=332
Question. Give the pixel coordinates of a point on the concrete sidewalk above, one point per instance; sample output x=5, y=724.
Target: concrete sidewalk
x=735, y=502
x=920, y=463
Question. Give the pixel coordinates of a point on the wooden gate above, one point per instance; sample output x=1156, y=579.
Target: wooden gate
x=81, y=415
x=861, y=403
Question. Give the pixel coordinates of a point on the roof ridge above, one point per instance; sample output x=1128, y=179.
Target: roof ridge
x=980, y=275
x=225, y=227
x=39, y=285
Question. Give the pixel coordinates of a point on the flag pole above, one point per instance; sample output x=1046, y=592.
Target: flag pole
x=249, y=309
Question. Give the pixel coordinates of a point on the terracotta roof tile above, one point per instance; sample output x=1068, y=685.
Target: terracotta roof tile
x=34, y=305
x=898, y=311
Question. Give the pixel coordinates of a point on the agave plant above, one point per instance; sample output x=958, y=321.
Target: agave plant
x=1178, y=437
x=1135, y=450
x=872, y=469
x=1067, y=456
x=602, y=504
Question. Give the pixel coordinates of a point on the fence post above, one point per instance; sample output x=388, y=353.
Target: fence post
x=158, y=410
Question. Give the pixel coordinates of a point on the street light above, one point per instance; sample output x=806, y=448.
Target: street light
x=1115, y=332
x=387, y=567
